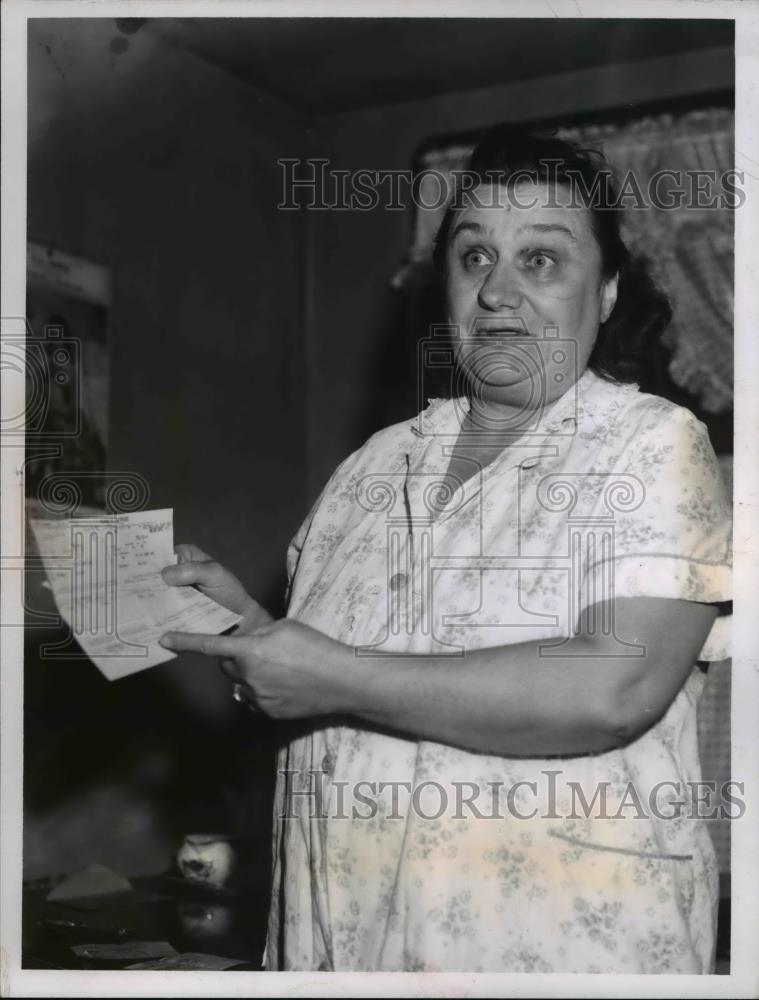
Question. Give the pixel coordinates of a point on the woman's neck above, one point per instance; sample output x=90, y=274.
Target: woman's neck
x=487, y=416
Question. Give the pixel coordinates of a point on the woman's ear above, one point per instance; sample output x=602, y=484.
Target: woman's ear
x=608, y=297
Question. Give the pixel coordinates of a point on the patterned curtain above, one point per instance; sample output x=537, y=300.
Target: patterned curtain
x=690, y=249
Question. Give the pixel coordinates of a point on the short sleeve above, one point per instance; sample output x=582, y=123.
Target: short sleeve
x=671, y=516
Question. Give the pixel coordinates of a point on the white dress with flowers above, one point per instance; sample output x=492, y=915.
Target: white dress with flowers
x=392, y=853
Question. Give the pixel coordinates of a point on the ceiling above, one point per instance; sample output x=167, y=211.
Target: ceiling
x=326, y=65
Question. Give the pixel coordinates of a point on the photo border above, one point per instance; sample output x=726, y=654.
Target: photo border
x=744, y=975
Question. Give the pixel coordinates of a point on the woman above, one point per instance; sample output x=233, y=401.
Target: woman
x=495, y=615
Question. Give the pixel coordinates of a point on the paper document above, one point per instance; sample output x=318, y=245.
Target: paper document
x=105, y=574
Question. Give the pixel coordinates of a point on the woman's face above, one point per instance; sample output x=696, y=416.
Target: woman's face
x=525, y=291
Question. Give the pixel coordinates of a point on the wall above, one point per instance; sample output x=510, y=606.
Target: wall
x=163, y=168
x=355, y=329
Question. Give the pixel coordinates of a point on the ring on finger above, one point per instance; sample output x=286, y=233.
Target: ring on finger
x=238, y=693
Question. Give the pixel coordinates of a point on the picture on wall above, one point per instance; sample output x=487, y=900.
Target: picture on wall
x=68, y=302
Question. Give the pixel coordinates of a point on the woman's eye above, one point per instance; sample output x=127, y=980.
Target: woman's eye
x=540, y=261
x=476, y=258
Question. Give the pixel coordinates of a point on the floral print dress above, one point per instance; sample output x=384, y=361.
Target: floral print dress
x=393, y=853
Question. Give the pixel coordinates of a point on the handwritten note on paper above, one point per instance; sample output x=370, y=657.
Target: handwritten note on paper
x=105, y=574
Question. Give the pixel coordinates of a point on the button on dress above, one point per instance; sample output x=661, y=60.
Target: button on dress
x=398, y=854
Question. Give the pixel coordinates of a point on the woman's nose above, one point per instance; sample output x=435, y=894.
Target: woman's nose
x=500, y=289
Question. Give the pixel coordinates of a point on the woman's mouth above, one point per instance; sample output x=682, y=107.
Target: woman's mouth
x=501, y=328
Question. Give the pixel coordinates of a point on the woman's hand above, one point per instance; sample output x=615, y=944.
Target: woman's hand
x=290, y=671
x=196, y=569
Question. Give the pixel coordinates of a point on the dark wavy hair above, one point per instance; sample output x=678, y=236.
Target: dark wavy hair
x=628, y=342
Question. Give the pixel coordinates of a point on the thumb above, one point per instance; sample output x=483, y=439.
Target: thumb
x=189, y=573
x=186, y=552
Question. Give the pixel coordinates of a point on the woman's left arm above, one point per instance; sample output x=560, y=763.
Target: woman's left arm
x=525, y=699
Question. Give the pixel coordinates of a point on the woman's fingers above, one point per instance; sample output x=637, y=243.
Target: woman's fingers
x=209, y=645
x=191, y=572
x=230, y=669
x=230, y=647
x=186, y=552
x=209, y=577
x=247, y=696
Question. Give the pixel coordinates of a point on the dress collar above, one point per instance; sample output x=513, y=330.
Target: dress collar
x=587, y=404
x=586, y=401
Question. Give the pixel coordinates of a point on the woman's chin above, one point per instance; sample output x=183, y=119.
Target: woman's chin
x=498, y=376
x=523, y=392
x=504, y=380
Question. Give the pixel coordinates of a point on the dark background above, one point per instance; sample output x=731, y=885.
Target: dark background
x=251, y=348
